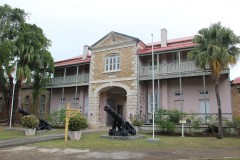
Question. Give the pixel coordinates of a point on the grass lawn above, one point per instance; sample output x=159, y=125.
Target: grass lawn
x=94, y=142
x=18, y=132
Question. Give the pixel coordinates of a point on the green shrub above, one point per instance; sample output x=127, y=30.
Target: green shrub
x=77, y=122
x=30, y=121
x=57, y=119
x=166, y=119
x=136, y=122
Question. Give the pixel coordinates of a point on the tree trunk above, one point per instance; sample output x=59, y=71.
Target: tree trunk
x=220, y=130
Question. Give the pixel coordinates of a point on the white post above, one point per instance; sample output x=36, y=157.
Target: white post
x=10, y=124
x=182, y=130
x=153, y=88
x=13, y=74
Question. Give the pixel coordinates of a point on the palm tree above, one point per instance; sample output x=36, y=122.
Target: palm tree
x=216, y=48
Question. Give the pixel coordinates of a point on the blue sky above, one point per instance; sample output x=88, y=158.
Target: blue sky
x=74, y=23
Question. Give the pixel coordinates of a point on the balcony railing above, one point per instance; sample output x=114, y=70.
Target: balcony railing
x=169, y=69
x=67, y=80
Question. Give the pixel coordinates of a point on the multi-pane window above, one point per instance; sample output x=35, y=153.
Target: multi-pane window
x=150, y=101
x=112, y=62
x=27, y=103
x=178, y=93
x=42, y=104
x=201, y=92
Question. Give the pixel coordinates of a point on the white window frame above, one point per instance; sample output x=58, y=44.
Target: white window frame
x=201, y=92
x=42, y=104
x=177, y=93
x=150, y=103
x=27, y=103
x=112, y=63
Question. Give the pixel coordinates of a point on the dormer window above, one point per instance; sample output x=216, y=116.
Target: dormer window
x=112, y=63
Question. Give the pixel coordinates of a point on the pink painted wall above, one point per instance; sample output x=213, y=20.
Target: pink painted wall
x=102, y=104
x=191, y=96
x=69, y=94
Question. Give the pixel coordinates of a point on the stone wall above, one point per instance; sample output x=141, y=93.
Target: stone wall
x=236, y=99
x=34, y=108
x=126, y=78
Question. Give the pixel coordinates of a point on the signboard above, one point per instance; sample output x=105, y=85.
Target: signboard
x=69, y=113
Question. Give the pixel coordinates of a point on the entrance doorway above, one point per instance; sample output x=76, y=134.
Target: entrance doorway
x=115, y=97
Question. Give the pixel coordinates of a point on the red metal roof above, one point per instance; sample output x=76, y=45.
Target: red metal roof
x=236, y=80
x=73, y=61
x=173, y=44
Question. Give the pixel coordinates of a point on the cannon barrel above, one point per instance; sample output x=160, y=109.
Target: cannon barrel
x=23, y=112
x=124, y=127
x=112, y=113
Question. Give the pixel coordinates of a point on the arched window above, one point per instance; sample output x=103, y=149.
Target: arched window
x=112, y=62
x=42, y=104
x=27, y=103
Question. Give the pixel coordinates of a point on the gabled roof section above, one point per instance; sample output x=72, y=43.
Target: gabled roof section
x=236, y=81
x=73, y=61
x=113, y=38
x=173, y=44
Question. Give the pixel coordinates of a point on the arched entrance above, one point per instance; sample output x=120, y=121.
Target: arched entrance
x=116, y=98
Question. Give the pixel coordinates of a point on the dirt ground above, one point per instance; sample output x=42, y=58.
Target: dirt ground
x=33, y=153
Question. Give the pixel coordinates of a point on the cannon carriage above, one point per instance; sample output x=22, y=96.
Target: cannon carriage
x=120, y=126
x=43, y=124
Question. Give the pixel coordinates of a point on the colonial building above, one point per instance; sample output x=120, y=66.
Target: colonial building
x=117, y=70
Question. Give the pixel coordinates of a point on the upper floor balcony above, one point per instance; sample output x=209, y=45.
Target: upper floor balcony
x=173, y=70
x=73, y=80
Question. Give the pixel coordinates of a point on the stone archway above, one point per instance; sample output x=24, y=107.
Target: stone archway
x=98, y=93
x=116, y=98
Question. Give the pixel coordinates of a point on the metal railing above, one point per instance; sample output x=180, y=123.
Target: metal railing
x=82, y=78
x=165, y=69
x=147, y=118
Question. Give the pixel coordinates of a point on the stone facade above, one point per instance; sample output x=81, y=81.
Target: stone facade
x=35, y=109
x=125, y=78
x=236, y=99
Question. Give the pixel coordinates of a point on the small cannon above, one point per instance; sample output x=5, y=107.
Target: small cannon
x=43, y=124
x=124, y=127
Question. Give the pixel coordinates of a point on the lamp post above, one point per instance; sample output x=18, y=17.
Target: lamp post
x=13, y=74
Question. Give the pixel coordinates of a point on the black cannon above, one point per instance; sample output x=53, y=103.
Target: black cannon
x=124, y=127
x=43, y=124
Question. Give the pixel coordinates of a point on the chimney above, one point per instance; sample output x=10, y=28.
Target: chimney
x=85, y=51
x=163, y=37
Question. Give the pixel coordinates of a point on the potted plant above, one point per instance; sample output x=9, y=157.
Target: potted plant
x=75, y=124
x=30, y=123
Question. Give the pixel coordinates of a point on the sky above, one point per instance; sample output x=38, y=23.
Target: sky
x=71, y=24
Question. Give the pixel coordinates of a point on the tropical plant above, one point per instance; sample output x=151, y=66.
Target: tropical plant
x=30, y=121
x=166, y=119
x=26, y=45
x=136, y=122
x=77, y=122
x=216, y=48
x=57, y=118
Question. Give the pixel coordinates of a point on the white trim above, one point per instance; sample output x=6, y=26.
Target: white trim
x=112, y=62
x=112, y=80
x=121, y=45
x=98, y=89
